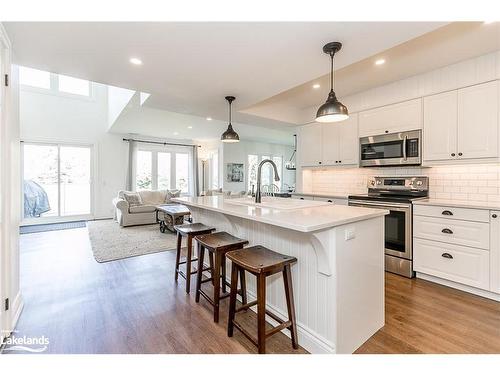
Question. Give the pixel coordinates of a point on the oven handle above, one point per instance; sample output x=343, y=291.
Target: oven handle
x=405, y=140
x=393, y=206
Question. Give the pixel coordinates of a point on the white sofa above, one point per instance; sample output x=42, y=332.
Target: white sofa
x=145, y=213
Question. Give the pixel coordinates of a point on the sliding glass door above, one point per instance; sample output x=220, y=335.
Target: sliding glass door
x=57, y=181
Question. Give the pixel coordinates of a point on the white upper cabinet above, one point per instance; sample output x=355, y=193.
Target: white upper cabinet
x=462, y=124
x=309, y=145
x=440, y=126
x=391, y=119
x=349, y=140
x=329, y=144
x=478, y=121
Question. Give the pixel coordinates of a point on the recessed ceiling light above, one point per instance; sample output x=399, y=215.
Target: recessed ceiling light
x=209, y=118
x=380, y=62
x=190, y=127
x=316, y=86
x=176, y=133
x=135, y=61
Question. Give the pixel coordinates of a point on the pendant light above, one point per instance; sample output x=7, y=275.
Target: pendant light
x=230, y=136
x=332, y=110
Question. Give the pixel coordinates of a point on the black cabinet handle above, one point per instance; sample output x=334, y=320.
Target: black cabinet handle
x=447, y=255
x=452, y=154
x=447, y=231
x=340, y=161
x=494, y=216
x=319, y=162
x=336, y=161
x=387, y=131
x=447, y=213
x=329, y=201
x=460, y=154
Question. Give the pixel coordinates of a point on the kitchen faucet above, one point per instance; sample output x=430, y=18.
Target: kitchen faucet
x=259, y=175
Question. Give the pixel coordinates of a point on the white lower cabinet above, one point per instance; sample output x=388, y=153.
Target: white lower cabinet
x=459, y=246
x=465, y=265
x=338, y=201
x=495, y=252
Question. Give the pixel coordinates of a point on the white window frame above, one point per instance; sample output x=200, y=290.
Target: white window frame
x=54, y=89
x=172, y=150
x=260, y=157
x=58, y=218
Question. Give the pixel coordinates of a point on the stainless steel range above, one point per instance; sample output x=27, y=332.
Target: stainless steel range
x=395, y=194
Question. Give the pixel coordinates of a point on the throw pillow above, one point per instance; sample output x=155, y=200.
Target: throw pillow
x=172, y=194
x=133, y=199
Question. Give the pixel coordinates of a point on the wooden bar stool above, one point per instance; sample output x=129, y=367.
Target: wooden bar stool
x=262, y=262
x=189, y=231
x=217, y=244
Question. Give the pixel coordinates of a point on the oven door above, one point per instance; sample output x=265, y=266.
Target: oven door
x=391, y=149
x=398, y=226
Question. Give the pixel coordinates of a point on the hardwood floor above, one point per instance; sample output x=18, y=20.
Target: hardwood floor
x=127, y=306
x=134, y=306
x=423, y=317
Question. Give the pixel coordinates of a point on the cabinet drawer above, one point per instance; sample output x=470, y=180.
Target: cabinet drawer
x=339, y=201
x=458, y=232
x=461, y=264
x=454, y=213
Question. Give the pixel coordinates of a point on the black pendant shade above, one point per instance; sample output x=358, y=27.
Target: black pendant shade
x=230, y=136
x=332, y=110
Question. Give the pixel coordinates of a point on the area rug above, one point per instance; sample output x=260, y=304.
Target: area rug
x=111, y=242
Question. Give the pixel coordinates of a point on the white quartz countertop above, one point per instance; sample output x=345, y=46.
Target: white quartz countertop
x=309, y=218
x=321, y=195
x=457, y=203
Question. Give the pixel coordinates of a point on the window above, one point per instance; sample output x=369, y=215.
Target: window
x=143, y=178
x=214, y=171
x=57, y=180
x=182, y=172
x=164, y=172
x=74, y=86
x=267, y=171
x=156, y=169
x=54, y=83
x=34, y=78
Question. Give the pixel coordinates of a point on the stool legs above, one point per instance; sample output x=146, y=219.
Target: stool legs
x=188, y=263
x=287, y=278
x=261, y=313
x=217, y=272
x=178, y=256
x=201, y=255
x=243, y=284
x=232, y=299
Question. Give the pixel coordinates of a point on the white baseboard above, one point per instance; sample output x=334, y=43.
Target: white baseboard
x=462, y=287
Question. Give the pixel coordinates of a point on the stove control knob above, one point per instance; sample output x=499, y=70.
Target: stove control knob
x=379, y=182
x=419, y=183
x=372, y=182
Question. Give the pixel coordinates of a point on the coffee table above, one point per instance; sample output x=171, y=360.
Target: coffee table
x=173, y=214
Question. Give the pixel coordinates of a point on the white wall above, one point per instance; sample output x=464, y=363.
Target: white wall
x=47, y=116
x=238, y=153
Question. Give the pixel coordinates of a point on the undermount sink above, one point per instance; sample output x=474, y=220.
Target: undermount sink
x=276, y=203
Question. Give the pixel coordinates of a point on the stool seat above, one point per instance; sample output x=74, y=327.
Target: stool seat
x=217, y=245
x=193, y=229
x=259, y=259
x=220, y=241
x=190, y=231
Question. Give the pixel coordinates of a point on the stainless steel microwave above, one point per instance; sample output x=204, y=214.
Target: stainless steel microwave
x=384, y=150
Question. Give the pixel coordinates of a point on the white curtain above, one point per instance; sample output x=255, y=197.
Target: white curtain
x=132, y=157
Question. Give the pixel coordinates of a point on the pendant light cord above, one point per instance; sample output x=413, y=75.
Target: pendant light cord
x=230, y=112
x=331, y=72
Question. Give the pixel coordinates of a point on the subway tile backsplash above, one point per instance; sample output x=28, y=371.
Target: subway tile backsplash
x=474, y=182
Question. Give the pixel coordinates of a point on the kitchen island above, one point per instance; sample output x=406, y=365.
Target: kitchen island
x=338, y=281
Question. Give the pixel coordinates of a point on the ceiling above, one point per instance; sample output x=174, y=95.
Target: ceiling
x=444, y=46
x=189, y=67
